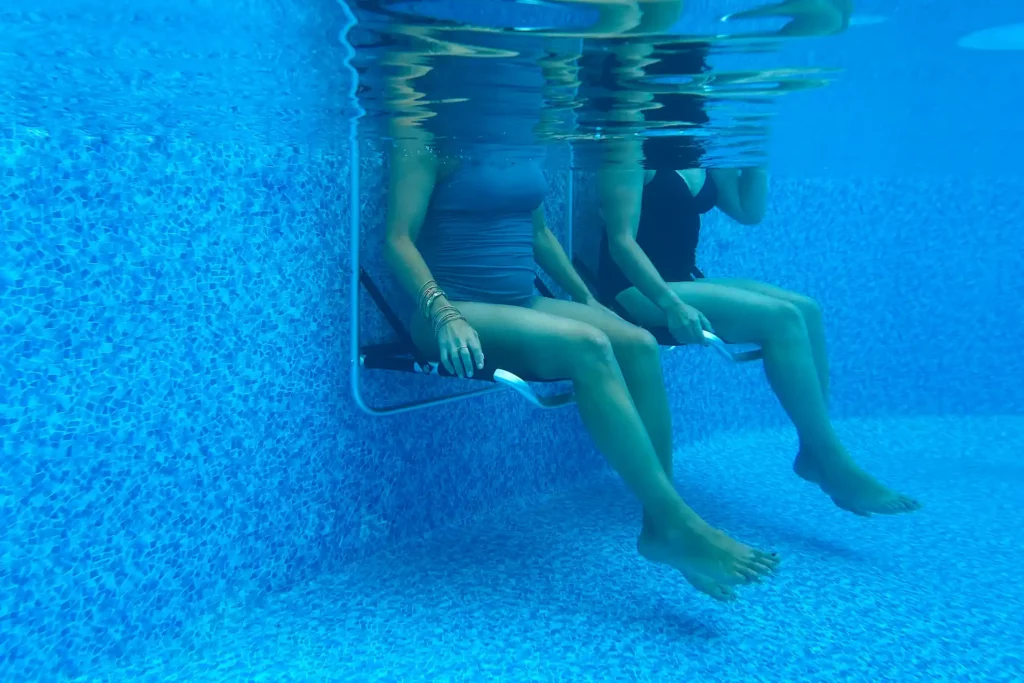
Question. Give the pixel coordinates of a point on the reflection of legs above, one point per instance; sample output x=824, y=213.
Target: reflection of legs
x=617, y=17
x=806, y=17
x=553, y=347
x=810, y=311
x=779, y=327
x=638, y=356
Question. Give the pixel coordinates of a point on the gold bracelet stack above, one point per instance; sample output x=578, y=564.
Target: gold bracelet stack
x=445, y=315
x=428, y=294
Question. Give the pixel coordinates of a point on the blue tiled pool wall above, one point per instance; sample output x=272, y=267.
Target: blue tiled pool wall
x=173, y=362
x=172, y=316
x=176, y=424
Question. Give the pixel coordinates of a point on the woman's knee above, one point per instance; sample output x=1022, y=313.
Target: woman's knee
x=809, y=308
x=781, y=319
x=591, y=350
x=635, y=344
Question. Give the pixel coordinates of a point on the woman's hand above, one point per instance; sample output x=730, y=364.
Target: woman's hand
x=460, y=349
x=687, y=324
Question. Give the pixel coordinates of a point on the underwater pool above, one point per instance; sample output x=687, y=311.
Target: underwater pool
x=550, y=590
x=189, y=490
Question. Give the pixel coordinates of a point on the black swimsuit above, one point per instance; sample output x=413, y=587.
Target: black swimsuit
x=668, y=233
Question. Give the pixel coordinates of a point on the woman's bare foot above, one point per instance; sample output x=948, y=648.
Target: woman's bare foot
x=850, y=487
x=708, y=559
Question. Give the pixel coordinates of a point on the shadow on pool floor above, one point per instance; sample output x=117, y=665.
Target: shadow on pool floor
x=554, y=591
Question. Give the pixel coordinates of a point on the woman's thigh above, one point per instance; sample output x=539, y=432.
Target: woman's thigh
x=523, y=340
x=623, y=335
x=806, y=304
x=738, y=315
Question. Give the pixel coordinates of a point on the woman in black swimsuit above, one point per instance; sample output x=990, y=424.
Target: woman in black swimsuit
x=648, y=272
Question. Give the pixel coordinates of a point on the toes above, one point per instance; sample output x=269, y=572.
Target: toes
x=720, y=593
x=900, y=505
x=763, y=565
x=716, y=590
x=891, y=504
x=910, y=504
x=733, y=578
x=749, y=573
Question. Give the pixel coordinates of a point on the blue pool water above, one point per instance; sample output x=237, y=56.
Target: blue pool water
x=550, y=590
x=188, y=492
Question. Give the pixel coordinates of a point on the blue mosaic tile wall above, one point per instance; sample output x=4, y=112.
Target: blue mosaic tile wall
x=170, y=423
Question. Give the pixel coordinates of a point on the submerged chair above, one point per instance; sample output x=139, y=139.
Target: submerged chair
x=403, y=356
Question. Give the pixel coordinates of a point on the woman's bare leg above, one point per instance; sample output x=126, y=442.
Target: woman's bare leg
x=553, y=347
x=639, y=358
x=778, y=327
x=809, y=309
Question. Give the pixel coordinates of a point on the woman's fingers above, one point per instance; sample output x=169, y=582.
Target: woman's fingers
x=456, y=354
x=460, y=352
x=697, y=331
x=684, y=334
x=478, y=353
x=466, y=360
x=706, y=324
x=446, y=360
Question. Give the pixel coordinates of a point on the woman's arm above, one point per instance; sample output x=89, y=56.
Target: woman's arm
x=552, y=259
x=621, y=194
x=412, y=179
x=742, y=193
x=413, y=173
